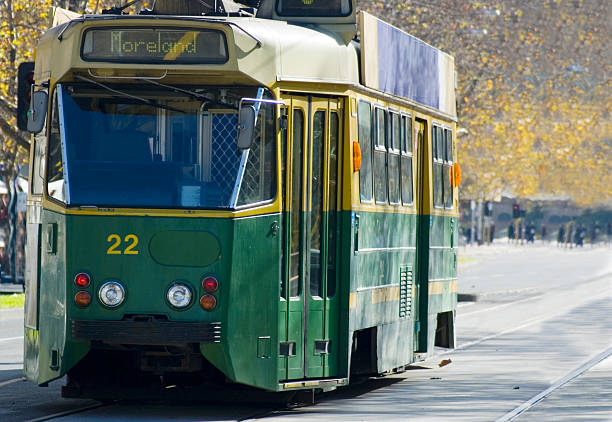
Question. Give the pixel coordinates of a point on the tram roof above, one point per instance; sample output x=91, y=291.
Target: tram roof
x=260, y=50
x=267, y=51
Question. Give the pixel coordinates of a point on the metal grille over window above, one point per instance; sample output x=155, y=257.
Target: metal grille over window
x=225, y=155
x=405, y=302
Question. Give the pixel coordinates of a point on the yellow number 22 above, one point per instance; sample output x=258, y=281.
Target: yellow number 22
x=115, y=241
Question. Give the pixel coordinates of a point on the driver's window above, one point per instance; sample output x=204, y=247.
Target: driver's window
x=55, y=168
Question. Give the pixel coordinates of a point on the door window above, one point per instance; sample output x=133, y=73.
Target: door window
x=295, y=288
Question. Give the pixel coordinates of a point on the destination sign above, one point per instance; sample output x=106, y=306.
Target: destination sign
x=153, y=45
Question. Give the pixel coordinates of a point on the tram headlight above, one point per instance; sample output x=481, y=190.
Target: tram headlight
x=179, y=295
x=112, y=294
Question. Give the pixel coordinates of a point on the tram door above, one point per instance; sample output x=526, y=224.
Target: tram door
x=309, y=302
x=422, y=276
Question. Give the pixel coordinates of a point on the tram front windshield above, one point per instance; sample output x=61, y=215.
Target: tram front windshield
x=159, y=147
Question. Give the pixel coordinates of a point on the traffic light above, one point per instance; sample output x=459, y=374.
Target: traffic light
x=488, y=209
x=516, y=211
x=25, y=80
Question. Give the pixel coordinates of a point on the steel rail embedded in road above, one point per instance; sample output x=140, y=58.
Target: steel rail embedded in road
x=510, y=416
x=2, y=340
x=67, y=413
x=14, y=380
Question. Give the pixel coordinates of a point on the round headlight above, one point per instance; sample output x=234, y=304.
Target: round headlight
x=179, y=295
x=111, y=294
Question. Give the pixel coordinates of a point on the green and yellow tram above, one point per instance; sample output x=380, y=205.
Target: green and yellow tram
x=249, y=197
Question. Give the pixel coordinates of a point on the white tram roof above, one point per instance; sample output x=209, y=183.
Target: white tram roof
x=268, y=51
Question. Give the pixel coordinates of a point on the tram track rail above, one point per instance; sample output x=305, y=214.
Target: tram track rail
x=559, y=383
x=11, y=381
x=69, y=412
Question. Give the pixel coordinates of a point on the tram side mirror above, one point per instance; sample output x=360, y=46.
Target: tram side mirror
x=38, y=111
x=246, y=127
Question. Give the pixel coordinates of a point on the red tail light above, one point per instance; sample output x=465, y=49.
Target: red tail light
x=82, y=280
x=210, y=284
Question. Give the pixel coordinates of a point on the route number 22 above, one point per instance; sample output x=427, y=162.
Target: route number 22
x=115, y=240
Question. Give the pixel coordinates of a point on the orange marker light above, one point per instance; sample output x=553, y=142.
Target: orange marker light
x=208, y=302
x=456, y=175
x=356, y=156
x=82, y=299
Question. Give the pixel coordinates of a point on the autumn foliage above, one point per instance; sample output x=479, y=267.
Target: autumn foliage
x=533, y=93
x=533, y=87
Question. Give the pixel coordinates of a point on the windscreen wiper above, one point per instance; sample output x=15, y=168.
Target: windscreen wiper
x=192, y=94
x=134, y=97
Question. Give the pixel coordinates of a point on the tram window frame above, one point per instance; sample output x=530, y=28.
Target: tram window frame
x=380, y=156
x=334, y=173
x=407, y=160
x=283, y=135
x=54, y=140
x=296, y=241
x=365, y=137
x=438, y=165
x=447, y=168
x=393, y=154
x=317, y=199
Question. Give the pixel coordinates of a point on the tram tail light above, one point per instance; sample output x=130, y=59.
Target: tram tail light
x=82, y=280
x=210, y=284
x=82, y=299
x=208, y=302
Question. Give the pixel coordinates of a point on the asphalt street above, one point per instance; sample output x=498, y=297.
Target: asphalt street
x=536, y=346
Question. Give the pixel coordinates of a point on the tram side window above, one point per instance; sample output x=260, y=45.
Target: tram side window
x=448, y=162
x=393, y=159
x=332, y=224
x=364, y=113
x=438, y=166
x=38, y=169
x=55, y=167
x=295, y=288
x=406, y=161
x=380, y=158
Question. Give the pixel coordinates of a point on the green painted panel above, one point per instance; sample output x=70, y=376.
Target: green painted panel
x=314, y=362
x=168, y=248
x=394, y=345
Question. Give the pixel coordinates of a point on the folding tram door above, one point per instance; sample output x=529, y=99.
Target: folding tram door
x=422, y=272
x=311, y=234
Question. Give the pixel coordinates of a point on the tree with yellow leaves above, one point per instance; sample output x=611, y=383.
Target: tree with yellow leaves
x=533, y=91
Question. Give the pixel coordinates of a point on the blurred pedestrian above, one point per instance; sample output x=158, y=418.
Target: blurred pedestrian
x=579, y=236
x=609, y=233
x=543, y=233
x=531, y=231
x=510, y=233
x=595, y=233
x=561, y=236
x=569, y=234
x=492, y=233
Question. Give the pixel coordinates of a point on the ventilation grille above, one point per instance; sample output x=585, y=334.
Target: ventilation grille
x=405, y=302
